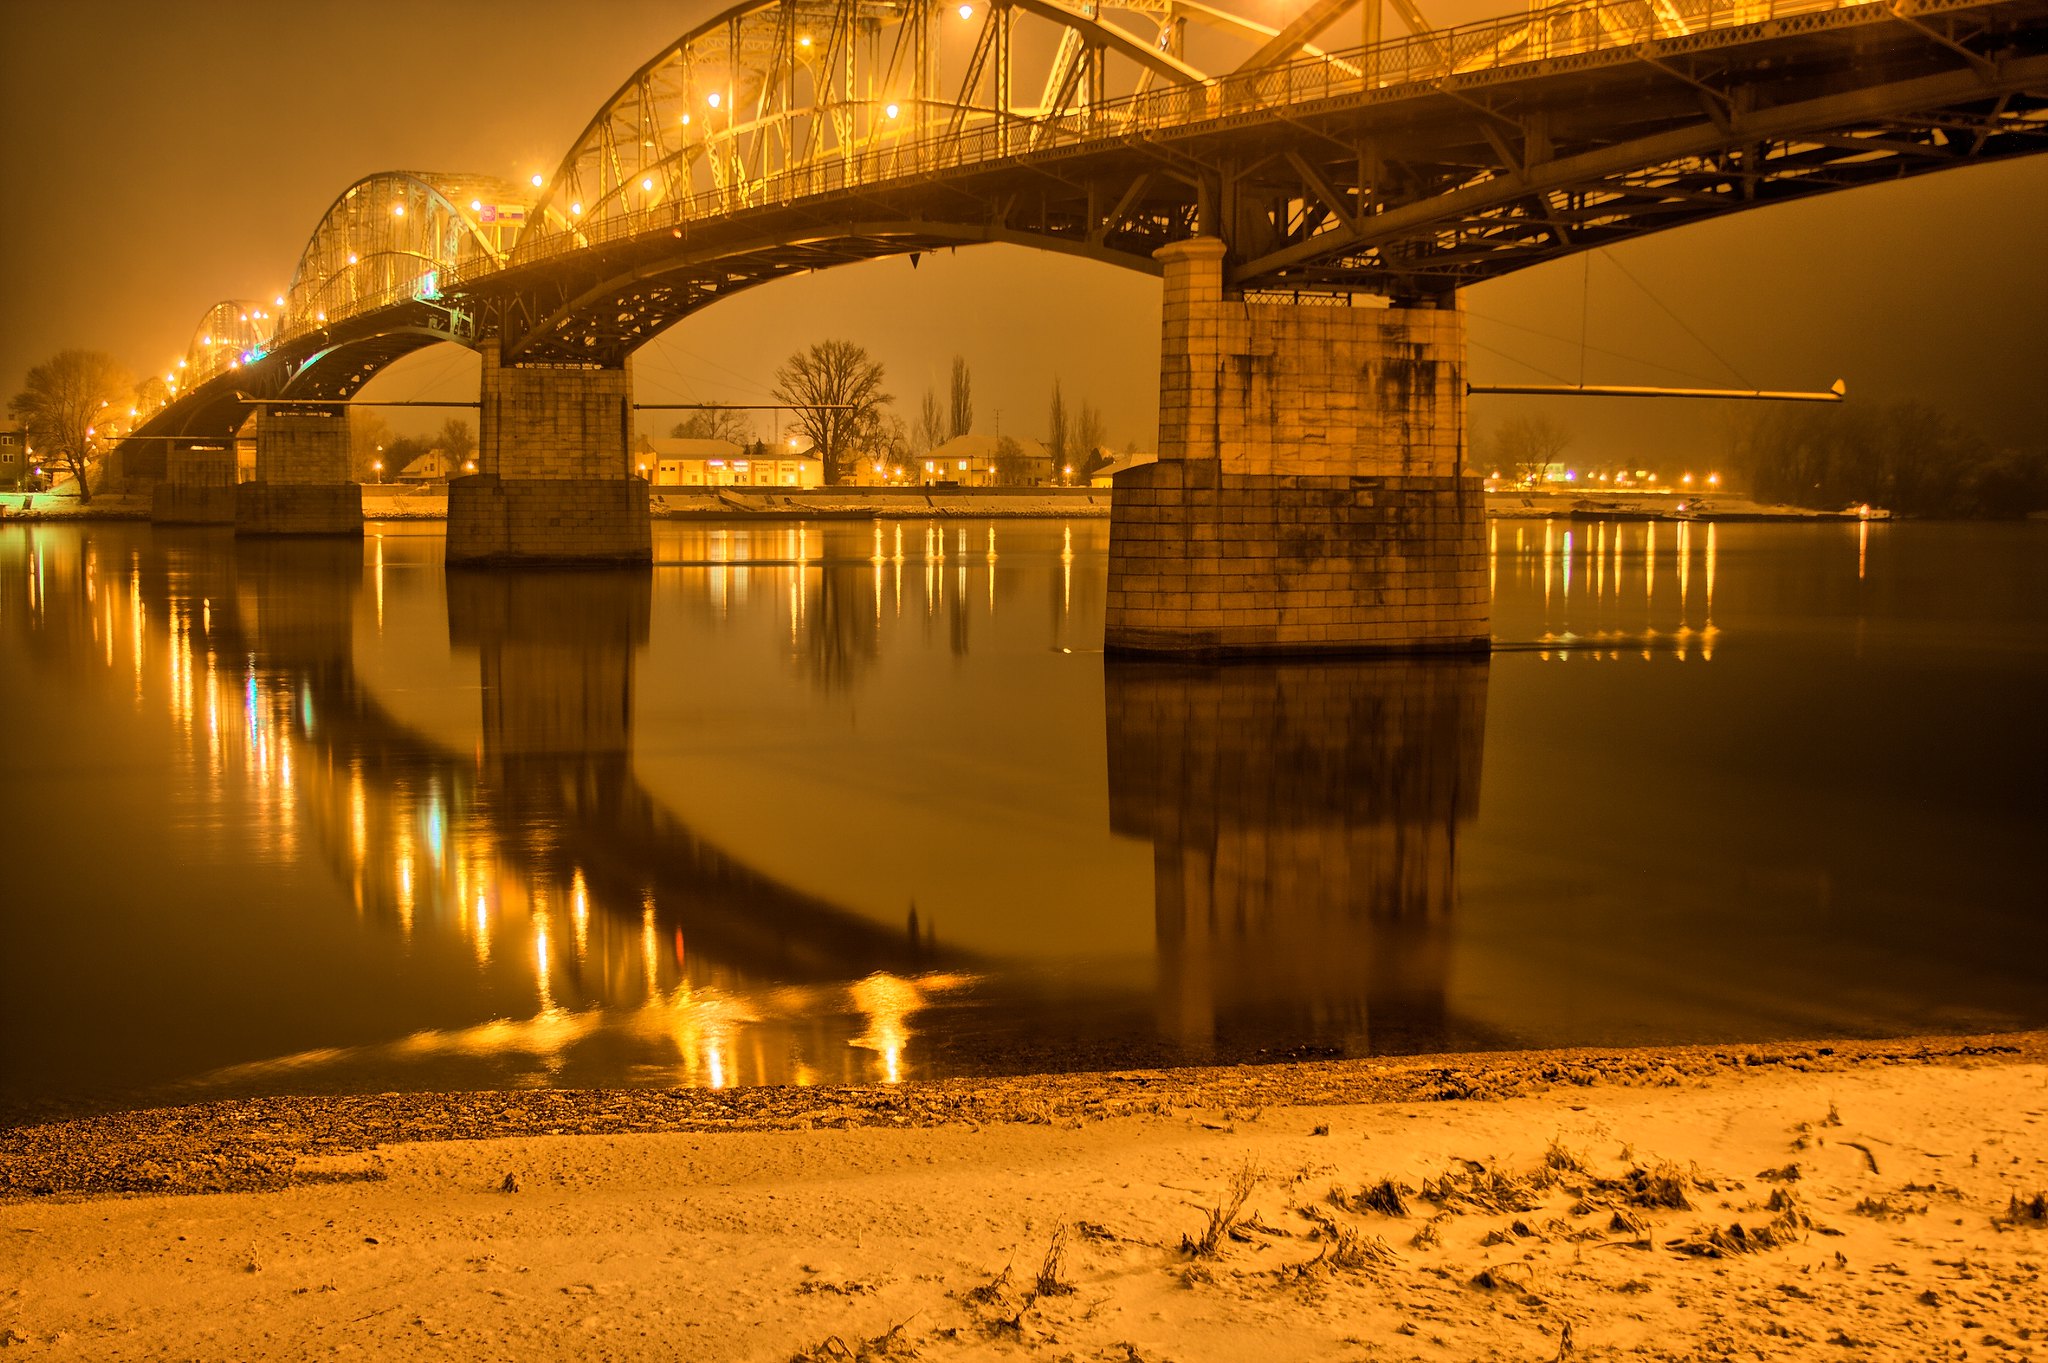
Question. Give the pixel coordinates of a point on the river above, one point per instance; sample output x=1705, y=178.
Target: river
x=859, y=802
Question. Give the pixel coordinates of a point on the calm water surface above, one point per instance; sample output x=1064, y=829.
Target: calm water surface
x=836, y=803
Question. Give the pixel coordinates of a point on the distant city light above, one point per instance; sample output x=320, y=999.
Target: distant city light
x=686, y=120
x=536, y=182
x=575, y=208
x=713, y=100
x=398, y=210
x=889, y=110
x=804, y=41
x=476, y=205
x=648, y=183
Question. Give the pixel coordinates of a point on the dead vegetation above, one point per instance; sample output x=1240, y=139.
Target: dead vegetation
x=1223, y=1216
x=2026, y=1211
x=892, y=1343
x=1385, y=1197
x=1051, y=1280
x=1788, y=1227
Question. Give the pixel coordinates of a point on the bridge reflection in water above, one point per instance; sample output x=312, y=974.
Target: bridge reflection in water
x=1304, y=822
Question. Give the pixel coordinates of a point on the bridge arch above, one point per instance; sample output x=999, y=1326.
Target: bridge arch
x=777, y=100
x=227, y=331
x=398, y=236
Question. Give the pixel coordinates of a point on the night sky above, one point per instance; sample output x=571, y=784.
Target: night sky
x=161, y=157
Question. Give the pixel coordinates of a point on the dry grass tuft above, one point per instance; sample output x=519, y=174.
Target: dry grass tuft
x=1051, y=1280
x=2027, y=1211
x=1344, y=1251
x=1563, y=1161
x=990, y=1292
x=1223, y=1215
x=1478, y=1188
x=1663, y=1186
x=1384, y=1197
x=892, y=1343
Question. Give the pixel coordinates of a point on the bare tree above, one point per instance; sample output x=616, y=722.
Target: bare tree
x=716, y=423
x=1530, y=445
x=1057, y=433
x=368, y=435
x=66, y=401
x=963, y=398
x=931, y=423
x=1088, y=440
x=456, y=440
x=834, y=390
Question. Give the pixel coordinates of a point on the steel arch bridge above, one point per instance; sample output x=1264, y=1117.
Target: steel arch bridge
x=783, y=136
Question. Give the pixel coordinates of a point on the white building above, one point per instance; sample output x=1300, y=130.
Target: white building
x=676, y=462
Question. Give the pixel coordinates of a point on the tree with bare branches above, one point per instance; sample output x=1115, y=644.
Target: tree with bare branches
x=1530, y=444
x=963, y=398
x=716, y=423
x=66, y=401
x=834, y=392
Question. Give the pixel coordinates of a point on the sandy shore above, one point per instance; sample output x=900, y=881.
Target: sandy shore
x=1867, y=1200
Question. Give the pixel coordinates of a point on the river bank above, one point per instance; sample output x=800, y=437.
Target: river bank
x=1871, y=1200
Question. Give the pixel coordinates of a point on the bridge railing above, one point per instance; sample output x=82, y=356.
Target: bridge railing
x=1392, y=67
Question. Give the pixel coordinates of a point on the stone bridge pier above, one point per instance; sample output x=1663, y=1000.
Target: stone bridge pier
x=554, y=481
x=198, y=486
x=302, y=484
x=1311, y=493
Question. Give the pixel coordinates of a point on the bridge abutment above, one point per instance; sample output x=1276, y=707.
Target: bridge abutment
x=554, y=481
x=302, y=484
x=198, y=486
x=1311, y=492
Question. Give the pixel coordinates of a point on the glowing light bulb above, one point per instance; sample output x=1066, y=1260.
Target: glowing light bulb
x=713, y=100
x=536, y=182
x=686, y=120
x=575, y=208
x=889, y=111
x=647, y=184
x=804, y=41
x=476, y=205
x=967, y=11
x=398, y=210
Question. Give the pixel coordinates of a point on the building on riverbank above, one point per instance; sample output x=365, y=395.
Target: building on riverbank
x=679, y=462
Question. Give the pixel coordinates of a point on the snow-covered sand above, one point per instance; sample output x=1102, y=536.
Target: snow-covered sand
x=1875, y=1191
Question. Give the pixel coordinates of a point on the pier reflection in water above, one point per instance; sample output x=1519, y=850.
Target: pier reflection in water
x=1304, y=824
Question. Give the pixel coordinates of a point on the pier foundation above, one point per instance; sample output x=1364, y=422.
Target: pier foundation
x=302, y=484
x=554, y=482
x=1311, y=492
x=198, y=486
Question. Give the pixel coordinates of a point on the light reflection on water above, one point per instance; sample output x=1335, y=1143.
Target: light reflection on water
x=677, y=828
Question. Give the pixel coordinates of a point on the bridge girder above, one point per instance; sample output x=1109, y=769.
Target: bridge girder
x=1408, y=167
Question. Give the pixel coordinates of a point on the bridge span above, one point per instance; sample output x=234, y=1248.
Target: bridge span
x=1314, y=195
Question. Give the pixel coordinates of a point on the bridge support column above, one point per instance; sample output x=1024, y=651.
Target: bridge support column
x=302, y=485
x=1311, y=492
x=198, y=487
x=554, y=481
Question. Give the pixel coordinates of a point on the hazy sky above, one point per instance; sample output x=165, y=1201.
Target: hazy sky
x=160, y=157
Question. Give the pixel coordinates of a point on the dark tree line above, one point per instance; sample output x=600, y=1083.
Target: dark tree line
x=1905, y=456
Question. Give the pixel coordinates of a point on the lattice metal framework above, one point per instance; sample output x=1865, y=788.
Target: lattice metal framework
x=396, y=237
x=227, y=332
